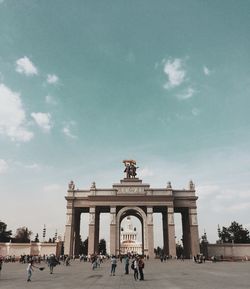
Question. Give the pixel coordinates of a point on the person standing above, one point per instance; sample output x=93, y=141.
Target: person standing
x=126, y=264
x=113, y=265
x=141, y=267
x=135, y=267
x=30, y=270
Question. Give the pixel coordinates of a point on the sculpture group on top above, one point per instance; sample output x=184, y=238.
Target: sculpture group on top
x=130, y=168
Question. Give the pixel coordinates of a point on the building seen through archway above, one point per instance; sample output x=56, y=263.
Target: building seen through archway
x=132, y=197
x=129, y=238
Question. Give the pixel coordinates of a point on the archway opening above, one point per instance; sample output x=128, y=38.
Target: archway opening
x=130, y=235
x=158, y=234
x=104, y=234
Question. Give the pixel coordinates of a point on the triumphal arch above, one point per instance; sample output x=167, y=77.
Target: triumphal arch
x=132, y=197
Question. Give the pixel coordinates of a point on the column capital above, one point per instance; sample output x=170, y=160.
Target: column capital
x=113, y=209
x=149, y=210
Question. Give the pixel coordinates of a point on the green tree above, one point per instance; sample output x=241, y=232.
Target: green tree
x=158, y=251
x=204, y=244
x=102, y=247
x=179, y=250
x=5, y=236
x=234, y=233
x=84, y=247
x=22, y=235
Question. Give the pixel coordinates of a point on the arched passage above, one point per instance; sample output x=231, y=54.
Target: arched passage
x=141, y=215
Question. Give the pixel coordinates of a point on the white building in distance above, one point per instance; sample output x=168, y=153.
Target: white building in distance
x=129, y=243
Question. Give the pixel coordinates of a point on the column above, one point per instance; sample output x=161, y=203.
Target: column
x=69, y=229
x=97, y=227
x=113, y=237
x=186, y=232
x=150, y=237
x=165, y=232
x=171, y=233
x=91, y=243
x=194, y=232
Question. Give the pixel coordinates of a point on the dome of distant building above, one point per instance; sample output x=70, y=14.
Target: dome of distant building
x=129, y=243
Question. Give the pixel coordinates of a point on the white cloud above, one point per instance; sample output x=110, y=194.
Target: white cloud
x=52, y=78
x=146, y=172
x=3, y=166
x=195, y=111
x=67, y=130
x=206, y=70
x=238, y=207
x=188, y=93
x=43, y=120
x=12, y=116
x=32, y=166
x=50, y=100
x=175, y=73
x=25, y=66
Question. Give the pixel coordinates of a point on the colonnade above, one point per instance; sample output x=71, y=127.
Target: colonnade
x=145, y=215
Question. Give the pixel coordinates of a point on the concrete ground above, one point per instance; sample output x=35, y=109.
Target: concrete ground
x=173, y=274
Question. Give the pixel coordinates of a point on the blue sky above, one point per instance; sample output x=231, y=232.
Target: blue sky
x=86, y=84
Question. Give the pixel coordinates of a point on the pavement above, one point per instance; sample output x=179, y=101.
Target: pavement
x=173, y=274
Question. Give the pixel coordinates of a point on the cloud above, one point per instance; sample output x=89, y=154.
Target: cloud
x=238, y=207
x=175, y=73
x=3, y=166
x=206, y=70
x=43, y=120
x=195, y=111
x=25, y=66
x=67, y=130
x=52, y=78
x=32, y=166
x=50, y=100
x=12, y=116
x=146, y=172
x=188, y=93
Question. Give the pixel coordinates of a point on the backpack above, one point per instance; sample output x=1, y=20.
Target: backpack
x=133, y=265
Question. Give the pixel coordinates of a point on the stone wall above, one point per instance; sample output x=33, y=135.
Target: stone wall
x=17, y=249
x=229, y=251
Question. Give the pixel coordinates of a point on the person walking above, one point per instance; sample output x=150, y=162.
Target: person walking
x=113, y=265
x=52, y=262
x=141, y=267
x=135, y=267
x=126, y=264
x=30, y=270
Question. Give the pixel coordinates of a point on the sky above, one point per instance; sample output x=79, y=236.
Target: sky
x=86, y=84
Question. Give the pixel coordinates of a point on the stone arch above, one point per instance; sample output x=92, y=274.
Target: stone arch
x=141, y=215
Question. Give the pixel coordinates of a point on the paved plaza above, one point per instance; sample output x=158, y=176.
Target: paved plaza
x=172, y=275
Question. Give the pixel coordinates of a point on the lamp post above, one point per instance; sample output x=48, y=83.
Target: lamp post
x=233, y=245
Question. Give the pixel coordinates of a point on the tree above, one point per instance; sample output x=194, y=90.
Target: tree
x=102, y=247
x=158, y=251
x=22, y=235
x=204, y=244
x=179, y=250
x=5, y=236
x=235, y=233
x=84, y=247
